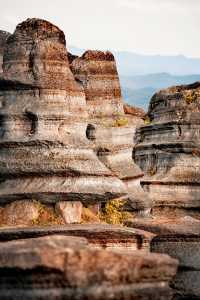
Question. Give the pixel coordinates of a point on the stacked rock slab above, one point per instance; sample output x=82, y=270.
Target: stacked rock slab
x=3, y=37
x=44, y=152
x=110, y=130
x=180, y=239
x=103, y=236
x=168, y=151
x=66, y=268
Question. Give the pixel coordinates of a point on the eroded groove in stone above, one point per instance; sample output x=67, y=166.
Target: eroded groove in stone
x=44, y=148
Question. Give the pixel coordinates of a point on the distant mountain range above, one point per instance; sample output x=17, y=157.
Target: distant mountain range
x=142, y=75
x=138, y=90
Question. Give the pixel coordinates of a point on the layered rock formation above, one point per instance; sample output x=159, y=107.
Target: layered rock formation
x=111, y=130
x=97, y=72
x=3, y=37
x=50, y=152
x=180, y=239
x=168, y=150
x=44, y=152
x=98, y=235
x=65, y=268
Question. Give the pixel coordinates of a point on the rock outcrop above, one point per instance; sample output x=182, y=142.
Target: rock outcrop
x=3, y=37
x=102, y=236
x=22, y=212
x=44, y=152
x=65, y=268
x=134, y=111
x=70, y=211
x=97, y=72
x=66, y=139
x=167, y=150
x=180, y=239
x=111, y=130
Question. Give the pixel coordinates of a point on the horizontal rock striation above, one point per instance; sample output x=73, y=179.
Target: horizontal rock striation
x=180, y=239
x=44, y=151
x=110, y=130
x=114, y=146
x=98, y=235
x=96, y=71
x=3, y=37
x=167, y=150
x=65, y=268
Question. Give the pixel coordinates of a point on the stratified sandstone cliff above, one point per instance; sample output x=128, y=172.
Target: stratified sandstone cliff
x=110, y=129
x=168, y=149
x=97, y=72
x=44, y=151
x=66, y=137
x=3, y=37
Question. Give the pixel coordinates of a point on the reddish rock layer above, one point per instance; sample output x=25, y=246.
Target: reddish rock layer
x=97, y=72
x=134, y=111
x=65, y=268
x=44, y=152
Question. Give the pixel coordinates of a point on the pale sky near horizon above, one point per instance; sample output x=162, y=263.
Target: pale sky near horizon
x=165, y=27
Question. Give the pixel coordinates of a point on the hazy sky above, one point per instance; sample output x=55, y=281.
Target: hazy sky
x=143, y=26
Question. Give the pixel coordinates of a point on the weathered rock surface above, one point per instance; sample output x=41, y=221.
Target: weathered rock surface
x=65, y=268
x=110, y=130
x=97, y=73
x=44, y=152
x=134, y=111
x=179, y=238
x=70, y=211
x=22, y=212
x=3, y=37
x=167, y=150
x=98, y=235
x=114, y=147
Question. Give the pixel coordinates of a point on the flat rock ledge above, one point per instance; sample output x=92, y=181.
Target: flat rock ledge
x=60, y=267
x=179, y=238
x=98, y=236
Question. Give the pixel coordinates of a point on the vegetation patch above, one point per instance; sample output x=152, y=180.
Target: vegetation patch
x=147, y=121
x=120, y=122
x=152, y=171
x=190, y=98
x=114, y=213
x=47, y=216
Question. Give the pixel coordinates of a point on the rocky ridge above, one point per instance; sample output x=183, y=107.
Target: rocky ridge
x=167, y=150
x=112, y=124
x=44, y=150
x=67, y=140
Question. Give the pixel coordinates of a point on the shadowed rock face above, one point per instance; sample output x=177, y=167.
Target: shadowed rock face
x=97, y=73
x=44, y=152
x=180, y=239
x=3, y=37
x=65, y=268
x=168, y=149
